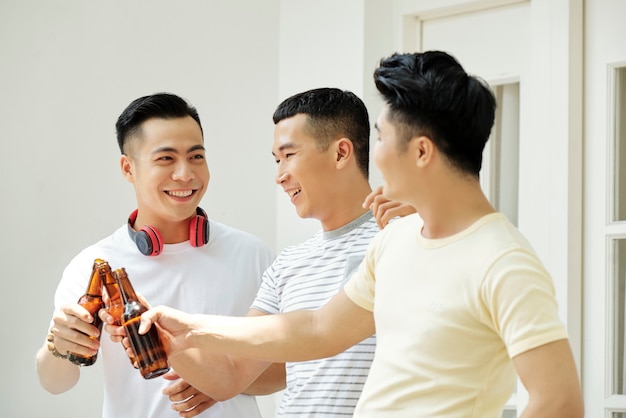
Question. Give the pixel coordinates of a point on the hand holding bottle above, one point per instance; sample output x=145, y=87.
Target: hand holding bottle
x=174, y=326
x=147, y=347
x=117, y=333
x=92, y=302
x=69, y=319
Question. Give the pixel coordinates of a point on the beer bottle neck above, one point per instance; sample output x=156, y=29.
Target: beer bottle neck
x=94, y=288
x=126, y=289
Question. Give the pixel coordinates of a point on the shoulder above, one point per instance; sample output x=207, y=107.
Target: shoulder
x=225, y=234
x=104, y=247
x=311, y=242
x=401, y=226
x=221, y=230
x=498, y=235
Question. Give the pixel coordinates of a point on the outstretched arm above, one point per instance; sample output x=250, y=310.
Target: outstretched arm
x=222, y=376
x=273, y=378
x=293, y=336
x=215, y=374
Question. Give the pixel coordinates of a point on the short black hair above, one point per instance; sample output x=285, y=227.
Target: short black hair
x=332, y=113
x=159, y=105
x=430, y=94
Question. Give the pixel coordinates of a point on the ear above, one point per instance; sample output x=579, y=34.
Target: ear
x=424, y=150
x=127, y=168
x=344, y=150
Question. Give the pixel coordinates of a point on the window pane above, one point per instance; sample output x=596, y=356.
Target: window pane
x=619, y=129
x=618, y=415
x=511, y=414
x=500, y=170
x=619, y=269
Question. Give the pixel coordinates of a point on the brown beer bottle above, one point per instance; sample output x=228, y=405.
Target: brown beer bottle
x=92, y=301
x=149, y=352
x=116, y=306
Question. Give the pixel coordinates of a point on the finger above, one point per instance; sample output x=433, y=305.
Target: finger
x=74, y=313
x=116, y=333
x=103, y=315
x=179, y=391
x=200, y=406
x=385, y=211
x=171, y=375
x=106, y=316
x=369, y=199
x=67, y=342
x=148, y=318
x=191, y=399
x=129, y=352
x=79, y=333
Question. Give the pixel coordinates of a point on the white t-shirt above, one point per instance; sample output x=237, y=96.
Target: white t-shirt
x=219, y=278
x=306, y=276
x=450, y=314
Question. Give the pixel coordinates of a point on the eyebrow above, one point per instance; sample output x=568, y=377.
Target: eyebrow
x=174, y=150
x=376, y=126
x=285, y=146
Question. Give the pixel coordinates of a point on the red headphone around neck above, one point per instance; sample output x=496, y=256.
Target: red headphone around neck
x=149, y=241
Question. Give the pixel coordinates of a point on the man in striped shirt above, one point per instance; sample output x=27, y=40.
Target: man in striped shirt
x=321, y=148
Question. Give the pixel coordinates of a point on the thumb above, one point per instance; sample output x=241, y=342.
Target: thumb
x=149, y=317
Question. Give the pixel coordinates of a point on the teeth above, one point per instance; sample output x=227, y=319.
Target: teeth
x=180, y=193
x=294, y=192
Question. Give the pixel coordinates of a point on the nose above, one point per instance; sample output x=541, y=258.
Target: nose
x=183, y=172
x=281, y=175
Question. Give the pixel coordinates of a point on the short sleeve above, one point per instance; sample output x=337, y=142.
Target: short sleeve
x=267, y=296
x=361, y=287
x=519, y=297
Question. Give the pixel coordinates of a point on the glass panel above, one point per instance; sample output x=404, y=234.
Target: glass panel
x=511, y=413
x=619, y=260
x=500, y=173
x=618, y=415
x=619, y=129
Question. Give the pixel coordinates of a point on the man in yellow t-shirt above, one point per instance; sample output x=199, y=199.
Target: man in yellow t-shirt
x=458, y=299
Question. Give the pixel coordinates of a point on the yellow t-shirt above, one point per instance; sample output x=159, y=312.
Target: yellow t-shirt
x=450, y=314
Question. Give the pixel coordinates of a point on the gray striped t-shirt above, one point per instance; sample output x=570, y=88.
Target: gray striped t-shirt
x=306, y=276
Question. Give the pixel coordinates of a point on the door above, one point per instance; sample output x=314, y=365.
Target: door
x=604, y=284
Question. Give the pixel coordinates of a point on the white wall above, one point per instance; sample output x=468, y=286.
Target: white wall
x=67, y=70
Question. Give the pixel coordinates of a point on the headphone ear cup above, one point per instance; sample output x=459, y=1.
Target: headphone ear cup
x=149, y=241
x=198, y=229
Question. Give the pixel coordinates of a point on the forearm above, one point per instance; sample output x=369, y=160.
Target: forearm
x=549, y=374
x=293, y=336
x=217, y=375
x=271, y=381
x=274, y=338
x=542, y=407
x=56, y=375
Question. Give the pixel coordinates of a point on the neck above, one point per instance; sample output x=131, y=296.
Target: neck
x=171, y=232
x=453, y=207
x=345, y=205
